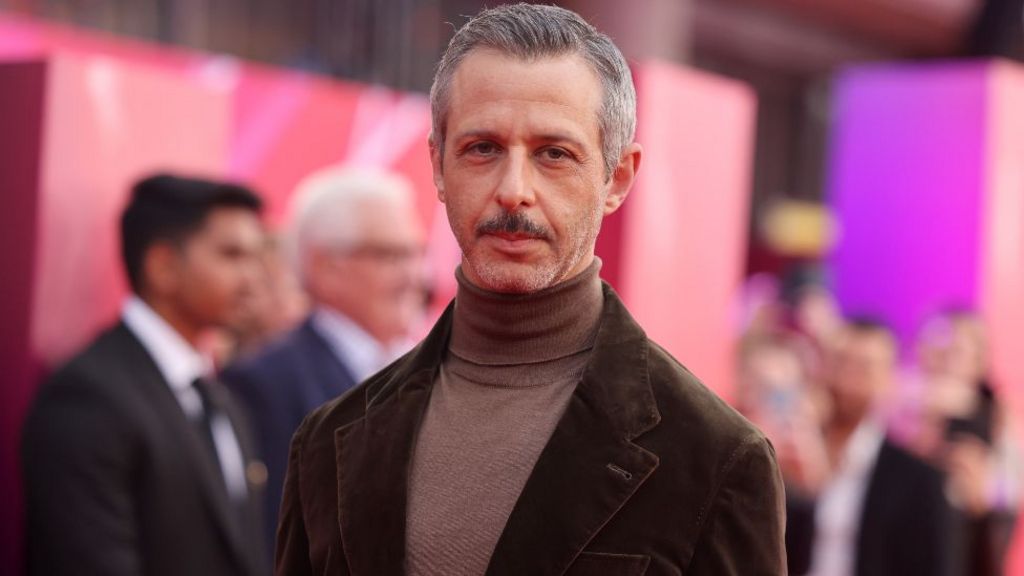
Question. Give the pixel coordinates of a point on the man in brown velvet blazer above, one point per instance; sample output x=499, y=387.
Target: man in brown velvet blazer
x=536, y=430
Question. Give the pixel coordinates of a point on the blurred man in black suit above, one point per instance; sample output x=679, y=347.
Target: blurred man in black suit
x=881, y=511
x=135, y=460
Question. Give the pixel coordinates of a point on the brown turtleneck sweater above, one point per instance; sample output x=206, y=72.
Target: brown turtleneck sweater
x=512, y=364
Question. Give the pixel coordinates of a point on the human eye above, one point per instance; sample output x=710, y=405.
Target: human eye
x=482, y=148
x=555, y=154
x=231, y=252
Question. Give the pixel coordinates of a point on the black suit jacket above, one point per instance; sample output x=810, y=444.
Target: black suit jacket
x=647, y=472
x=278, y=387
x=118, y=481
x=907, y=528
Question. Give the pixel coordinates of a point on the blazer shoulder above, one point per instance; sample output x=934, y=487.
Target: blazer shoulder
x=101, y=365
x=690, y=402
x=906, y=467
x=277, y=355
x=700, y=440
x=94, y=381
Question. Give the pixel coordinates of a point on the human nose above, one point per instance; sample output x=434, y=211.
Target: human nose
x=515, y=187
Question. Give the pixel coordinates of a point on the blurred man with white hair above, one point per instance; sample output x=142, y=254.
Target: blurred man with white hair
x=356, y=243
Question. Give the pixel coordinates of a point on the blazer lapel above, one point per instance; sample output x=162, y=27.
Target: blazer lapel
x=590, y=467
x=145, y=371
x=373, y=457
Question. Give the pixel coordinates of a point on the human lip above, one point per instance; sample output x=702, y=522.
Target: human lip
x=512, y=241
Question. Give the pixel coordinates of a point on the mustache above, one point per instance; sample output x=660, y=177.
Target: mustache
x=512, y=223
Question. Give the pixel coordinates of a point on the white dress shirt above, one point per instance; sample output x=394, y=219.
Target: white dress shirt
x=360, y=352
x=180, y=364
x=841, y=504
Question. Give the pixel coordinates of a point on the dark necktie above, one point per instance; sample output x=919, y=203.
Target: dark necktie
x=211, y=394
x=203, y=422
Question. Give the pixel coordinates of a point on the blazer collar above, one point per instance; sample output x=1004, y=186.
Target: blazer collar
x=587, y=471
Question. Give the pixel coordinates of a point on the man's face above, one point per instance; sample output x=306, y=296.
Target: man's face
x=953, y=348
x=860, y=372
x=522, y=177
x=378, y=282
x=215, y=271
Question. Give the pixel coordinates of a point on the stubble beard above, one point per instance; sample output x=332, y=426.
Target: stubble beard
x=498, y=275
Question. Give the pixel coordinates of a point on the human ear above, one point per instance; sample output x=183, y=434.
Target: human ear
x=622, y=178
x=161, y=268
x=436, y=162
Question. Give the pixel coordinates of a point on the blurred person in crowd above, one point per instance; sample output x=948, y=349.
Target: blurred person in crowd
x=955, y=391
x=356, y=244
x=277, y=306
x=759, y=312
x=881, y=510
x=774, y=392
x=135, y=460
x=812, y=317
x=813, y=310
x=963, y=428
x=815, y=314
x=536, y=429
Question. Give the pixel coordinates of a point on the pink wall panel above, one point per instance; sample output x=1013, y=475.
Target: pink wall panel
x=284, y=124
x=1002, y=278
x=108, y=123
x=22, y=86
x=287, y=125
x=684, y=236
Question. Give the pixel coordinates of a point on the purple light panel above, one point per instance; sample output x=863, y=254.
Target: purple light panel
x=907, y=166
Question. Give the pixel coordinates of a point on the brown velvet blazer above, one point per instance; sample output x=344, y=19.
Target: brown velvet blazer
x=647, y=472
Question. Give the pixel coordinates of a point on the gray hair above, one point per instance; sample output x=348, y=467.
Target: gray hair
x=529, y=32
x=326, y=209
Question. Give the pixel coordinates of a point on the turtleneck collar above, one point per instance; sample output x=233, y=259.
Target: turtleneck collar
x=496, y=329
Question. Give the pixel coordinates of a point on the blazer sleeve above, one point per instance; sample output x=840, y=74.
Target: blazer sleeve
x=292, y=555
x=744, y=524
x=78, y=466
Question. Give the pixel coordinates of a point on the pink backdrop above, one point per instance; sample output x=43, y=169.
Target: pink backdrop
x=1002, y=279
x=21, y=115
x=685, y=225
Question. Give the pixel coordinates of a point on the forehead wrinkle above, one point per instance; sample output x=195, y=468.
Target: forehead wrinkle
x=506, y=101
x=511, y=83
x=487, y=121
